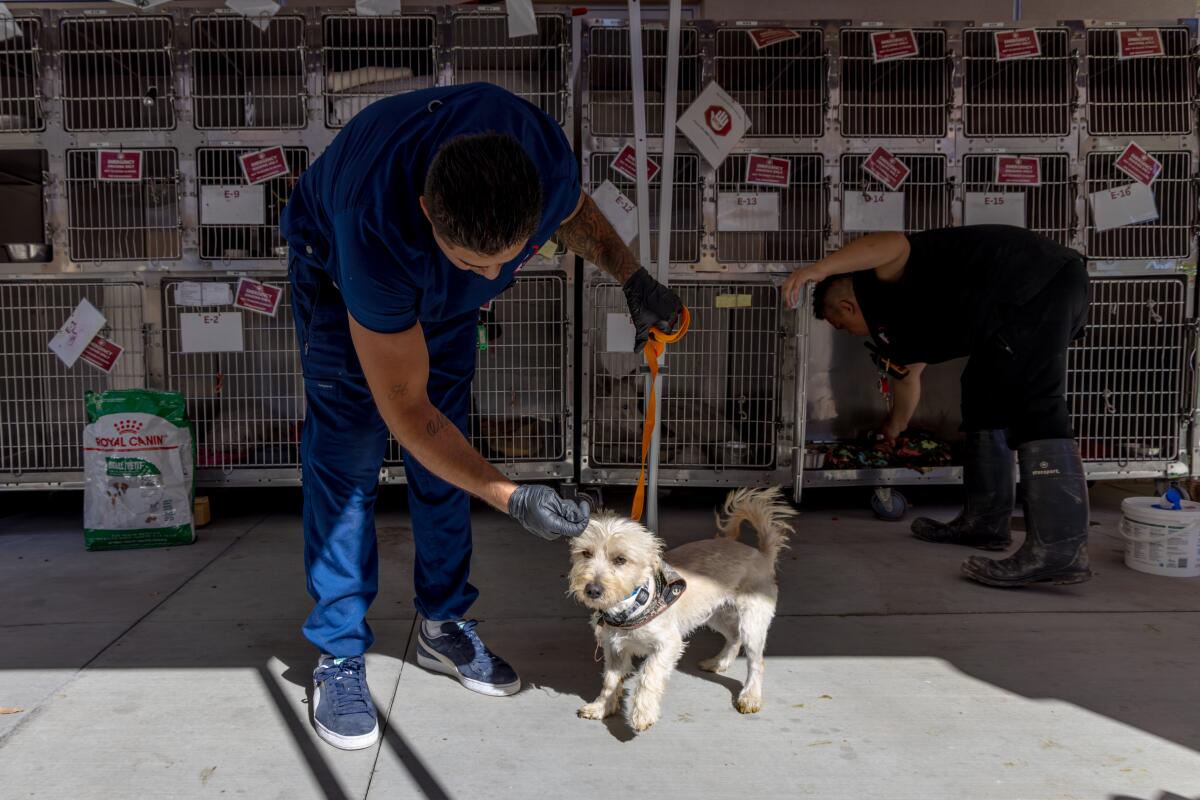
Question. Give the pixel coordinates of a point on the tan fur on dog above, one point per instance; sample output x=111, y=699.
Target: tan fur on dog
x=731, y=589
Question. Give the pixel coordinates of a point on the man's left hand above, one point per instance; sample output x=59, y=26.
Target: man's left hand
x=651, y=305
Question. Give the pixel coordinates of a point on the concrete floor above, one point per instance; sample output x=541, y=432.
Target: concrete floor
x=181, y=673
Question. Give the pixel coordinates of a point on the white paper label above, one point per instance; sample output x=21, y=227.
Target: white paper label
x=1123, y=205
x=618, y=209
x=619, y=334
x=258, y=12
x=77, y=332
x=873, y=211
x=994, y=208
x=197, y=293
x=715, y=123
x=213, y=332
x=521, y=20
x=752, y=211
x=8, y=28
x=233, y=204
x=376, y=8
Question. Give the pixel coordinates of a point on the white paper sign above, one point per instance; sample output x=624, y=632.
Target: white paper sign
x=212, y=332
x=258, y=12
x=715, y=123
x=750, y=211
x=8, y=28
x=376, y=8
x=197, y=293
x=77, y=332
x=233, y=204
x=521, y=21
x=994, y=208
x=619, y=334
x=873, y=211
x=618, y=209
x=1123, y=205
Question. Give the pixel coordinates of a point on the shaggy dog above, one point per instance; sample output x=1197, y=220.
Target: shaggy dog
x=646, y=603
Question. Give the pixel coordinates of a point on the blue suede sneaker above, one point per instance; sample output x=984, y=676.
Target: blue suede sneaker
x=343, y=712
x=453, y=648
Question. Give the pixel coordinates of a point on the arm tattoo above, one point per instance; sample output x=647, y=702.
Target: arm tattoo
x=591, y=235
x=437, y=424
x=398, y=390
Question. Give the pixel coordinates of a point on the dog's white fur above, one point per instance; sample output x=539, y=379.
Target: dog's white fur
x=731, y=588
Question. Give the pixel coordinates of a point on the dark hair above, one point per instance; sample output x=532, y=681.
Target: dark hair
x=821, y=291
x=483, y=193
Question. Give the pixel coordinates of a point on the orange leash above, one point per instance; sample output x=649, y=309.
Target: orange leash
x=655, y=347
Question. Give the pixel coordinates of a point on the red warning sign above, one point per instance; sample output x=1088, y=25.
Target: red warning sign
x=626, y=164
x=258, y=297
x=1018, y=171
x=1140, y=42
x=767, y=171
x=264, y=165
x=890, y=171
x=102, y=353
x=765, y=37
x=1017, y=44
x=891, y=45
x=119, y=165
x=1138, y=164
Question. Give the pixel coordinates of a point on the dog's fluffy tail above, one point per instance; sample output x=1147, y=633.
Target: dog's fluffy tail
x=765, y=510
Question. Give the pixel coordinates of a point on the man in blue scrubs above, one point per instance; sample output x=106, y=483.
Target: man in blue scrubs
x=420, y=211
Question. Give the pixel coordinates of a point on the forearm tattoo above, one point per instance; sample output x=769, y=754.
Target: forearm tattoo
x=591, y=235
x=436, y=425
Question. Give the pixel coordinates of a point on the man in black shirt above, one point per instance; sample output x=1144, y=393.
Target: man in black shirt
x=1011, y=301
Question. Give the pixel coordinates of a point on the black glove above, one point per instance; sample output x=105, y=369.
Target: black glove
x=544, y=513
x=651, y=305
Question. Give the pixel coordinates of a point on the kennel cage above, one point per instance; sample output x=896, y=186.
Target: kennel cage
x=927, y=191
x=728, y=388
x=41, y=399
x=906, y=97
x=23, y=234
x=117, y=73
x=522, y=395
x=534, y=67
x=238, y=221
x=1142, y=95
x=21, y=109
x=1049, y=206
x=796, y=220
x=783, y=88
x=364, y=59
x=245, y=405
x=248, y=73
x=131, y=219
x=1170, y=236
x=1031, y=95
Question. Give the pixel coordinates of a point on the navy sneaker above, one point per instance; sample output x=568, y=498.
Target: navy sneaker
x=343, y=712
x=458, y=651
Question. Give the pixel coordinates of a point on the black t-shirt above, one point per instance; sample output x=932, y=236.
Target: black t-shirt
x=954, y=283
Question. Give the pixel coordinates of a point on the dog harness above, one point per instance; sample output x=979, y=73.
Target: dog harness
x=669, y=586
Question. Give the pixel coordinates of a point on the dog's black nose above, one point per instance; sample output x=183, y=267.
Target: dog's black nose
x=593, y=590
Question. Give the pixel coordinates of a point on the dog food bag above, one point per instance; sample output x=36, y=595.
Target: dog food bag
x=137, y=470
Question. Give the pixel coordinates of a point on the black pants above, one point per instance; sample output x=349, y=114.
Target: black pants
x=1016, y=380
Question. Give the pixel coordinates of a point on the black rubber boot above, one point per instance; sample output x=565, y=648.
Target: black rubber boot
x=1056, y=521
x=988, y=481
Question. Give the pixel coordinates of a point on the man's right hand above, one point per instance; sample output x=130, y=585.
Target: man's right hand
x=795, y=282
x=545, y=514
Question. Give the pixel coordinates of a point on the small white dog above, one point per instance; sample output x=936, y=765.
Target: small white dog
x=646, y=607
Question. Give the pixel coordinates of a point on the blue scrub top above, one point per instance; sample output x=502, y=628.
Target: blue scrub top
x=356, y=215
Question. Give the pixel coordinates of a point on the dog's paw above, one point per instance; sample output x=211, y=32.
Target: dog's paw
x=749, y=704
x=642, y=720
x=592, y=711
x=713, y=665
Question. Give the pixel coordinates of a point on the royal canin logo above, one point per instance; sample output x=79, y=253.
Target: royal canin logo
x=127, y=430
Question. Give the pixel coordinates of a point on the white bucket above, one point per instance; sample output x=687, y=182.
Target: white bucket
x=1160, y=540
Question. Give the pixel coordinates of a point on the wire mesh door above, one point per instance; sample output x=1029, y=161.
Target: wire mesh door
x=610, y=85
x=790, y=229
x=927, y=191
x=687, y=212
x=533, y=67
x=782, y=87
x=20, y=75
x=364, y=59
x=244, y=76
x=1049, y=206
x=720, y=406
x=1030, y=96
x=117, y=73
x=240, y=221
x=246, y=406
x=1125, y=378
x=1145, y=95
x=908, y=97
x=41, y=399
x=122, y=220
x=1170, y=236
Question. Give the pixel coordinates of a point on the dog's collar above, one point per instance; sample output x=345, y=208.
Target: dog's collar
x=669, y=586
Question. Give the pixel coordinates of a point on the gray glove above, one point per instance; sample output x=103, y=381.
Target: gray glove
x=544, y=513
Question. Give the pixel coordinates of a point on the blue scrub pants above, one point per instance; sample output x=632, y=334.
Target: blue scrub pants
x=342, y=448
